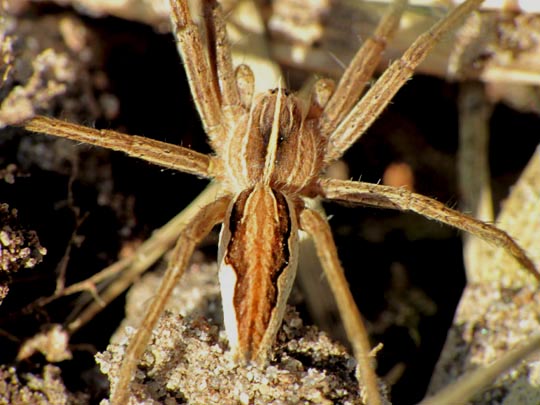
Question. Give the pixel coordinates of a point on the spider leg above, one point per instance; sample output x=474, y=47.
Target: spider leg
x=355, y=78
x=121, y=275
x=195, y=231
x=202, y=82
x=376, y=195
x=314, y=224
x=160, y=153
x=220, y=52
x=381, y=93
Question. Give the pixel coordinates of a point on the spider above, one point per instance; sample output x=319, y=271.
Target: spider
x=271, y=153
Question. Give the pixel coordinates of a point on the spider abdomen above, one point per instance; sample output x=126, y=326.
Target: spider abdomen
x=258, y=259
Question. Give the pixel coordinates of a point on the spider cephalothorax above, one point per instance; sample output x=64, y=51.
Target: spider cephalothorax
x=274, y=141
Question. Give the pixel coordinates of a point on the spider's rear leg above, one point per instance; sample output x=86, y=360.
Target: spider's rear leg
x=200, y=226
x=314, y=224
x=129, y=269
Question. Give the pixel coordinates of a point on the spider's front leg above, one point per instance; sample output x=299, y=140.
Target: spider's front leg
x=160, y=153
x=369, y=108
x=360, y=71
x=209, y=69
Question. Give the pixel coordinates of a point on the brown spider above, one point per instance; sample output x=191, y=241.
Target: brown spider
x=271, y=153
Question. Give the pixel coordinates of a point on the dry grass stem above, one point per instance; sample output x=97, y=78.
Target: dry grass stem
x=499, y=308
x=491, y=46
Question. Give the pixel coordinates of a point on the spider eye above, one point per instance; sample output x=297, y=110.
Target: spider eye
x=289, y=122
x=284, y=91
